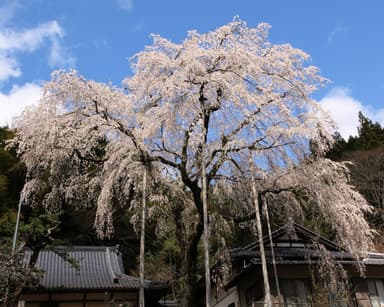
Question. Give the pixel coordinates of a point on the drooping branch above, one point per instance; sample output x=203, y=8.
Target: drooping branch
x=262, y=194
x=249, y=118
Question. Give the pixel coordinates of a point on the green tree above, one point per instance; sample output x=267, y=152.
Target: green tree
x=370, y=135
x=12, y=173
x=15, y=275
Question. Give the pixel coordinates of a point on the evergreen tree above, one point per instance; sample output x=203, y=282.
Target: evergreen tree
x=370, y=135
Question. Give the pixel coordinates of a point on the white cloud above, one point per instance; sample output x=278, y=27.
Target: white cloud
x=30, y=39
x=12, y=103
x=344, y=110
x=59, y=56
x=9, y=67
x=14, y=42
x=339, y=28
x=125, y=4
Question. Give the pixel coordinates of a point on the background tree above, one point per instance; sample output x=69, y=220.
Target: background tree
x=210, y=102
x=12, y=173
x=365, y=152
x=367, y=170
x=370, y=135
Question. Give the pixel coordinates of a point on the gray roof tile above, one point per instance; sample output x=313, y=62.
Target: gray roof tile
x=98, y=268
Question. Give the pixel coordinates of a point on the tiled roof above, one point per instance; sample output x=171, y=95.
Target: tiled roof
x=96, y=267
x=293, y=244
x=374, y=259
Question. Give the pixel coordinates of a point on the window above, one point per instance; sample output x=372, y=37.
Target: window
x=295, y=292
x=376, y=292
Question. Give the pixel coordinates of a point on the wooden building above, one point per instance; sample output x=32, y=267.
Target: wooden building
x=91, y=276
x=296, y=258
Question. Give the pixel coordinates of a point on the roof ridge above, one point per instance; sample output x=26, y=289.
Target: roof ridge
x=296, y=227
x=84, y=247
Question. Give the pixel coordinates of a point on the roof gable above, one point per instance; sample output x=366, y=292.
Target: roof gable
x=294, y=235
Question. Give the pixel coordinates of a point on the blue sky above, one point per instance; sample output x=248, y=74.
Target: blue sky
x=344, y=39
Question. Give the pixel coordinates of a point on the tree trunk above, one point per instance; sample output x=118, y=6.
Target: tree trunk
x=189, y=249
x=142, y=239
x=188, y=243
x=190, y=292
x=190, y=254
x=206, y=237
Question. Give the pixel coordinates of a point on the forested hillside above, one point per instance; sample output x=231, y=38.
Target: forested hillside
x=366, y=153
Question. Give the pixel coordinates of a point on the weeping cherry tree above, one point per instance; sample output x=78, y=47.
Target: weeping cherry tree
x=195, y=111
